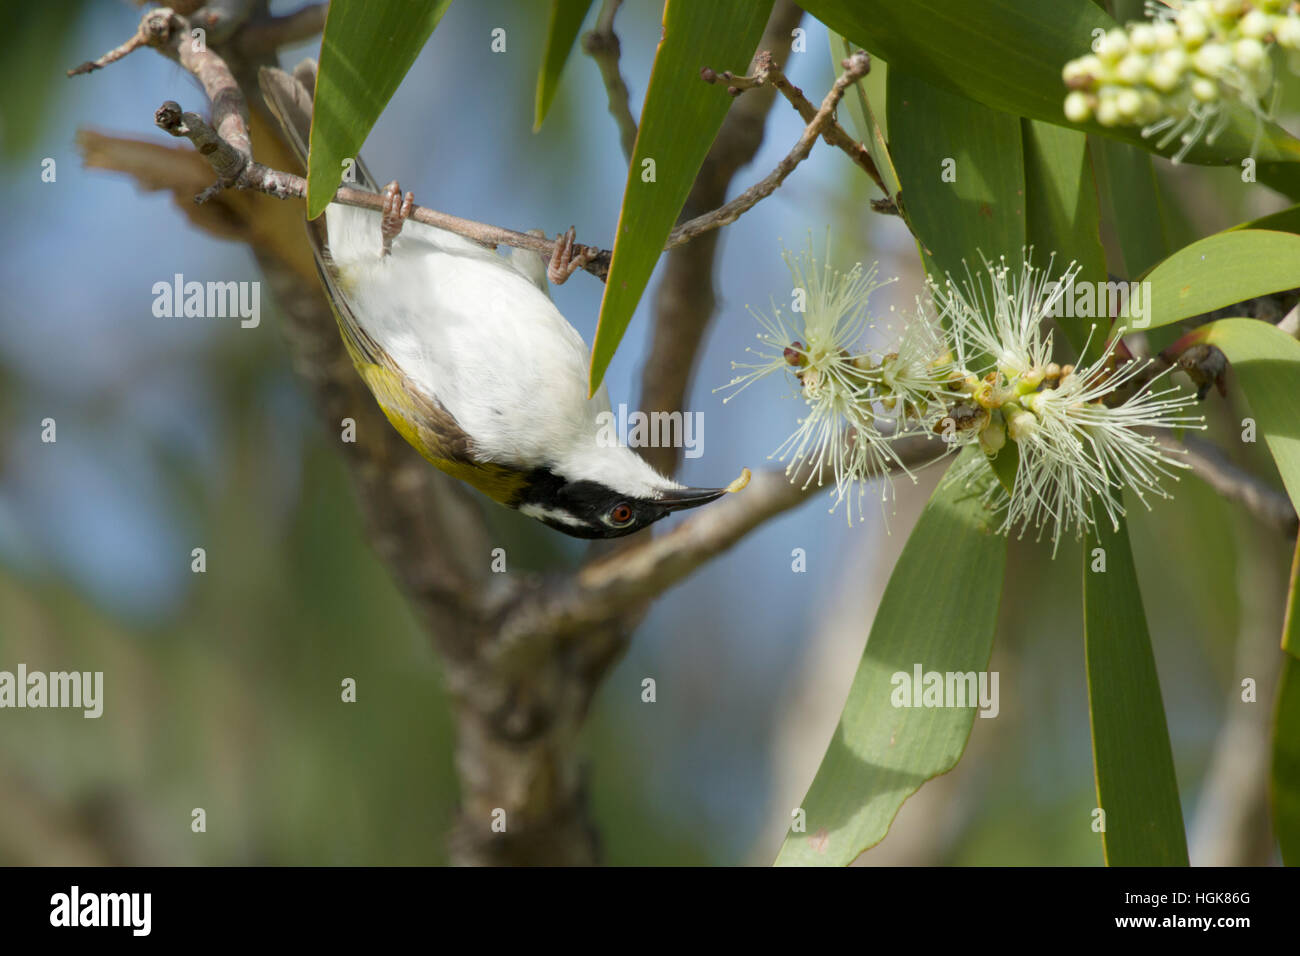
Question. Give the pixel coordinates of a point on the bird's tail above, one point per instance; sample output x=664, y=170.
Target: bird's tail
x=289, y=97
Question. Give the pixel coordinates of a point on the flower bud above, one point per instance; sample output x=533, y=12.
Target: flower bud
x=1107, y=110
x=1206, y=91
x=1142, y=37
x=1192, y=28
x=1113, y=45
x=1131, y=69
x=1078, y=108
x=1128, y=103
x=1175, y=59
x=1255, y=25
x=993, y=437
x=1287, y=32
x=1212, y=59
x=1249, y=54
x=1020, y=423
x=1165, y=34
x=1163, y=77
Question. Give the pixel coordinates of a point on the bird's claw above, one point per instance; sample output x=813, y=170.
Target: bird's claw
x=564, y=260
x=397, y=209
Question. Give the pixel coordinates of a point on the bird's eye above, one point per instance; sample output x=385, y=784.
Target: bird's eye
x=621, y=513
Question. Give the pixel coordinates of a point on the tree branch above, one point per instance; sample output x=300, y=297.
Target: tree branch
x=601, y=44
x=855, y=67
x=267, y=36
x=1235, y=483
x=765, y=72
x=226, y=145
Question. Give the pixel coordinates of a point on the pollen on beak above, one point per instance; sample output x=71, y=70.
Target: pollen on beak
x=682, y=498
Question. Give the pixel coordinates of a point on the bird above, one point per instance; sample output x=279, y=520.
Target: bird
x=470, y=360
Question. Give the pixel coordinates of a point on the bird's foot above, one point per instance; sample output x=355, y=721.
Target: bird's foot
x=397, y=209
x=564, y=260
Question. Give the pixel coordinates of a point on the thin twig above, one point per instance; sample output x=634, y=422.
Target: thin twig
x=766, y=71
x=855, y=67
x=226, y=145
x=140, y=39
x=1235, y=483
x=264, y=36
x=601, y=44
x=282, y=185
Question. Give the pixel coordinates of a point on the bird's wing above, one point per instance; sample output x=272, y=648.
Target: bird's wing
x=289, y=97
x=420, y=419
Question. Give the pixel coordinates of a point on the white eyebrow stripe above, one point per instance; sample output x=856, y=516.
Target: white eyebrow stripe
x=541, y=513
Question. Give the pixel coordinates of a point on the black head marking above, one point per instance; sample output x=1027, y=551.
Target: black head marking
x=588, y=509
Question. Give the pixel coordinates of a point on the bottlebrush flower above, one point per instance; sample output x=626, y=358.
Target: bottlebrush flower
x=981, y=372
x=856, y=401
x=1080, y=441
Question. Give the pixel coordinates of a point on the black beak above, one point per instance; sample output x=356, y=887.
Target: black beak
x=682, y=498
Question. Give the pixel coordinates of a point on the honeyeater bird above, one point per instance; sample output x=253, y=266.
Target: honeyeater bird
x=471, y=361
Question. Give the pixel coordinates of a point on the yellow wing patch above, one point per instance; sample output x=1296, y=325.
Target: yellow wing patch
x=433, y=432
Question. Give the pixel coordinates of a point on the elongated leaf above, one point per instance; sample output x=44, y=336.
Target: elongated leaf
x=1291, y=623
x=1285, y=220
x=1284, y=788
x=367, y=47
x=871, y=133
x=1220, y=270
x=1133, y=763
x=679, y=122
x=1063, y=215
x=962, y=186
x=938, y=614
x=1127, y=178
x=561, y=30
x=962, y=174
x=1008, y=54
x=1266, y=362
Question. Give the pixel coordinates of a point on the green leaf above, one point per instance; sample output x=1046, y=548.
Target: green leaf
x=1285, y=779
x=1284, y=220
x=962, y=196
x=938, y=613
x=1008, y=54
x=1134, y=766
x=935, y=136
x=1063, y=216
x=1266, y=363
x=365, y=52
x=679, y=121
x=561, y=30
x=1291, y=623
x=1127, y=178
x=871, y=133
x=1220, y=270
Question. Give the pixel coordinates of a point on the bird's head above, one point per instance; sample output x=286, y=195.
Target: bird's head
x=608, y=495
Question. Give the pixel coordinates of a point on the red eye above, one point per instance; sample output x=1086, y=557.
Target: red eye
x=621, y=514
